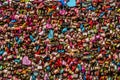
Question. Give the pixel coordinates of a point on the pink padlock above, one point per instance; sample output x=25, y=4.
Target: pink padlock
x=62, y=12
x=48, y=26
x=118, y=68
x=83, y=69
x=97, y=36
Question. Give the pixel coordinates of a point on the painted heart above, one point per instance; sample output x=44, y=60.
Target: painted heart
x=26, y=61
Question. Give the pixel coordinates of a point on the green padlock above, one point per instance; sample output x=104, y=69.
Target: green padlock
x=1, y=67
x=27, y=0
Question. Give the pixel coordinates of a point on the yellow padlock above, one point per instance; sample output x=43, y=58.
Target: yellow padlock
x=22, y=0
x=118, y=10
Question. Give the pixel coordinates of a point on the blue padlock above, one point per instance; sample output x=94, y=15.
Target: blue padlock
x=50, y=35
